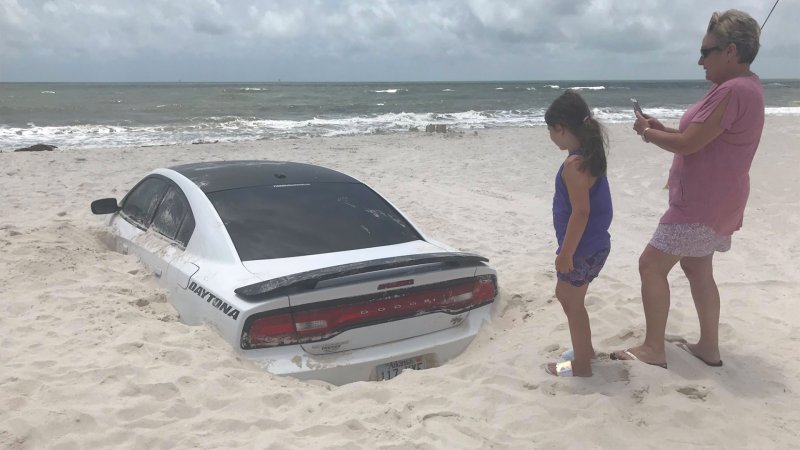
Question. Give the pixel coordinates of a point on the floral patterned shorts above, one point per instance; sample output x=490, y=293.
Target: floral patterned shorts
x=689, y=239
x=585, y=268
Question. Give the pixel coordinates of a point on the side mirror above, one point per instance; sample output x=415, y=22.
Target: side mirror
x=105, y=206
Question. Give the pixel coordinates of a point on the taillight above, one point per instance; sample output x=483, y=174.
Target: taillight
x=270, y=331
x=484, y=290
x=336, y=316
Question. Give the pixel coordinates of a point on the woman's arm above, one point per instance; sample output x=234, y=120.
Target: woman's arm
x=695, y=137
x=654, y=123
x=578, y=184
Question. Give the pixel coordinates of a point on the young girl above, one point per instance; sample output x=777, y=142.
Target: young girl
x=581, y=216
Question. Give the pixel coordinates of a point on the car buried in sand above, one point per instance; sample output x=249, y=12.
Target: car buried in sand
x=304, y=270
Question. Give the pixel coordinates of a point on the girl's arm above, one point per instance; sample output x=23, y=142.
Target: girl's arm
x=695, y=137
x=578, y=184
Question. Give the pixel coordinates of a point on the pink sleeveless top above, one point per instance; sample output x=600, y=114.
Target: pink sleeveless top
x=711, y=186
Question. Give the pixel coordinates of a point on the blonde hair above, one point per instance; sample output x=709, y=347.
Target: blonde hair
x=736, y=27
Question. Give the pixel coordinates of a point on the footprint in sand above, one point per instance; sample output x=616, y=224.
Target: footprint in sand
x=129, y=347
x=696, y=393
x=639, y=394
x=613, y=372
x=515, y=301
x=492, y=194
x=445, y=414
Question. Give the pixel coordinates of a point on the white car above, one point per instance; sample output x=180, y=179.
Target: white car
x=303, y=270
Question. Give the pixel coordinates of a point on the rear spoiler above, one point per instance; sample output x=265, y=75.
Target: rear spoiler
x=308, y=280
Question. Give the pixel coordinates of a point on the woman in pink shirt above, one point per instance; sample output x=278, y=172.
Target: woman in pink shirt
x=708, y=185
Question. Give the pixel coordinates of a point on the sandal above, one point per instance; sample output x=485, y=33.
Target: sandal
x=562, y=369
x=685, y=347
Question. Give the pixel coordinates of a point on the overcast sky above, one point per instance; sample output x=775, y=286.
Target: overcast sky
x=375, y=40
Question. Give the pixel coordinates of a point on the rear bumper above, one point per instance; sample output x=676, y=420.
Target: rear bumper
x=359, y=365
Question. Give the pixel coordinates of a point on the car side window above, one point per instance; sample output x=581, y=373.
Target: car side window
x=186, y=229
x=171, y=213
x=141, y=203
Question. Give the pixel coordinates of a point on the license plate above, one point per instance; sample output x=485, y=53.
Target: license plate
x=390, y=370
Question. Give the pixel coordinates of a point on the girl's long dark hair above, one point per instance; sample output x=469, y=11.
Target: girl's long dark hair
x=569, y=110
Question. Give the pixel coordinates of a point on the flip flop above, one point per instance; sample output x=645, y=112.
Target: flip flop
x=632, y=357
x=685, y=347
x=563, y=369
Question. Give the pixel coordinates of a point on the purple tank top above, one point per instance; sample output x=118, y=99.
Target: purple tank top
x=595, y=236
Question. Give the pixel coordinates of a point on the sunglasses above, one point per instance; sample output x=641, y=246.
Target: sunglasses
x=705, y=51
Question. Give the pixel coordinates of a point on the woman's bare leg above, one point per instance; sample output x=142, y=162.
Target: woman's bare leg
x=700, y=273
x=654, y=266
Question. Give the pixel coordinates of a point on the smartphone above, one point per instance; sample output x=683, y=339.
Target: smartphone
x=636, y=106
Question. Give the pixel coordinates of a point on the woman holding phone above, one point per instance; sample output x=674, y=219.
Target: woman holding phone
x=713, y=148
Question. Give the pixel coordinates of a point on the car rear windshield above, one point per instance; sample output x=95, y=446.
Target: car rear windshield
x=267, y=222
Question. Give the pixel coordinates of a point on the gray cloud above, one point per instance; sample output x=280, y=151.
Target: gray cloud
x=350, y=40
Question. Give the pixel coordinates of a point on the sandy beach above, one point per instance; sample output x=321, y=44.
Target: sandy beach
x=94, y=356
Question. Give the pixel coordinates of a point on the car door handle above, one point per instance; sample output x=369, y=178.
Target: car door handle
x=157, y=272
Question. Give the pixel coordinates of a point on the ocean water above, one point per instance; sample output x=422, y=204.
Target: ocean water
x=81, y=115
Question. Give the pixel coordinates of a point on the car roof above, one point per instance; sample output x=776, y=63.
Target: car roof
x=216, y=176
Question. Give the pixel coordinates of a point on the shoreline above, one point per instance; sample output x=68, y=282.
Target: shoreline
x=452, y=131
